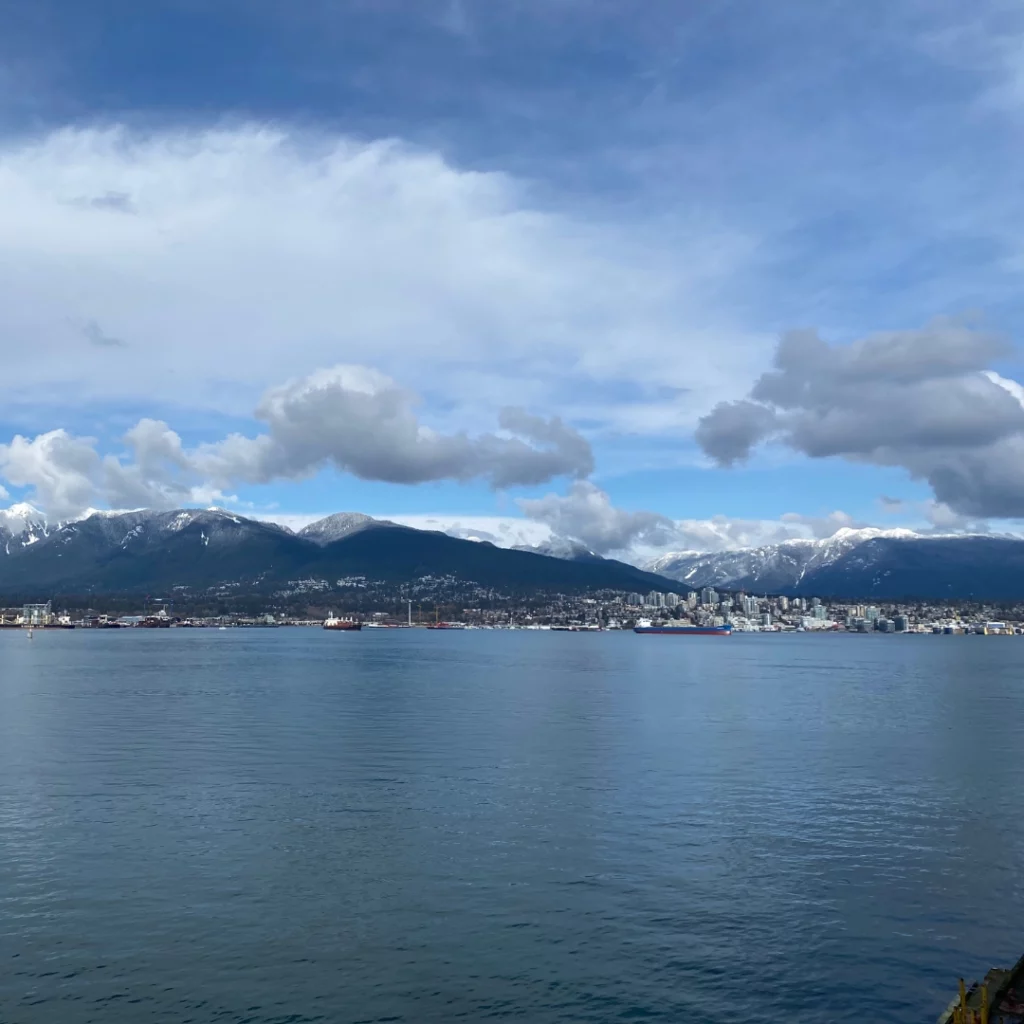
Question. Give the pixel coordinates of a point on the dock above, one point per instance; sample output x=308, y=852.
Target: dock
x=997, y=999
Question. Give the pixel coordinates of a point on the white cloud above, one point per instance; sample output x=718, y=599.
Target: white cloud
x=351, y=417
x=503, y=531
x=587, y=515
x=363, y=423
x=209, y=264
x=60, y=469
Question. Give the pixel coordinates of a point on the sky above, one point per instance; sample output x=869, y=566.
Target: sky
x=650, y=275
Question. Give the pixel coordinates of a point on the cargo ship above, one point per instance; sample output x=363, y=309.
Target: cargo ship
x=646, y=626
x=332, y=622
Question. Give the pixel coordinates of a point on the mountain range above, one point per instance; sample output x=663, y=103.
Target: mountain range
x=146, y=551
x=862, y=564
x=202, y=549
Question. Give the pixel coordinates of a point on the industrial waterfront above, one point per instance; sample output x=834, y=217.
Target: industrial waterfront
x=705, y=609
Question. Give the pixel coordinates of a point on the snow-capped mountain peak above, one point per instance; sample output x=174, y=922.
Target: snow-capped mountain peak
x=341, y=524
x=23, y=523
x=560, y=547
x=850, y=534
x=24, y=510
x=20, y=516
x=853, y=562
x=810, y=550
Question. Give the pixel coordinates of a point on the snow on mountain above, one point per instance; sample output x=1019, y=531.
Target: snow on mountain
x=146, y=550
x=859, y=563
x=20, y=525
x=21, y=517
x=501, y=531
x=560, y=547
x=341, y=524
x=853, y=562
x=783, y=565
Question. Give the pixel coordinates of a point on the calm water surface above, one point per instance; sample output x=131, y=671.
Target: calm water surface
x=290, y=826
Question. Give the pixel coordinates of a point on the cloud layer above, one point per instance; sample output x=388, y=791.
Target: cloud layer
x=353, y=418
x=198, y=267
x=924, y=400
x=587, y=515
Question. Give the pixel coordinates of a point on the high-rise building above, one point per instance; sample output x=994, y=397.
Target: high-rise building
x=656, y=599
x=784, y=604
x=871, y=613
x=708, y=596
x=673, y=600
x=634, y=600
x=900, y=623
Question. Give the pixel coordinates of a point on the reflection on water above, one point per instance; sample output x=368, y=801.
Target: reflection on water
x=289, y=825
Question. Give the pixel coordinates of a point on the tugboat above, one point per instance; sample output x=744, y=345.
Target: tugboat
x=333, y=622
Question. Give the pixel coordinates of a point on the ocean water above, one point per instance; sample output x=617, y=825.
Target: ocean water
x=290, y=825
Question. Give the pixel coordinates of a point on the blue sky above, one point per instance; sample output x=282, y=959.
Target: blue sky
x=603, y=212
